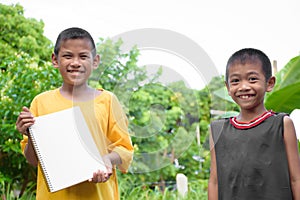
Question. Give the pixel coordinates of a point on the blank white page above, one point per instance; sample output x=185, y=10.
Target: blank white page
x=63, y=156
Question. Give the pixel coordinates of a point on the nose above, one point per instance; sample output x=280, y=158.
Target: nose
x=244, y=86
x=75, y=62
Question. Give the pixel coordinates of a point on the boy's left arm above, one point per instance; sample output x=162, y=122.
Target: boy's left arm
x=118, y=135
x=292, y=152
x=120, y=149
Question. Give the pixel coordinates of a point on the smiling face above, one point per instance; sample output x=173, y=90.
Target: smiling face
x=75, y=61
x=247, y=85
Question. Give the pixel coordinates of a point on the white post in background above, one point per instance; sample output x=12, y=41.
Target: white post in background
x=198, y=135
x=182, y=184
x=274, y=67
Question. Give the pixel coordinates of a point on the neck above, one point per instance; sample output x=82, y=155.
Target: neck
x=77, y=93
x=248, y=115
x=74, y=89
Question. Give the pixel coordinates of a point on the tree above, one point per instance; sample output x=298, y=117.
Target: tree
x=118, y=71
x=20, y=34
x=25, y=71
x=19, y=83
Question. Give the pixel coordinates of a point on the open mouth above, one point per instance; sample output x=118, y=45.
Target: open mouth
x=74, y=71
x=246, y=96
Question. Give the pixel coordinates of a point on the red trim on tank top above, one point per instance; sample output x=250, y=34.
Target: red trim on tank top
x=252, y=123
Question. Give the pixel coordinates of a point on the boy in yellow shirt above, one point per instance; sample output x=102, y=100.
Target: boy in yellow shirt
x=75, y=57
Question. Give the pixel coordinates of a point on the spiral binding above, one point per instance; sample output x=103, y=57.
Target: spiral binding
x=40, y=159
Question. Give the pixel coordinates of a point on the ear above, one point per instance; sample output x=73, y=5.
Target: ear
x=54, y=61
x=96, y=61
x=271, y=83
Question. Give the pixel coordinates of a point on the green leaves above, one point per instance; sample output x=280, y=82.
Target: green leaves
x=20, y=34
x=19, y=83
x=223, y=94
x=286, y=93
x=285, y=100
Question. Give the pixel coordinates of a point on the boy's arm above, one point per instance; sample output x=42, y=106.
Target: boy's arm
x=291, y=147
x=24, y=121
x=118, y=135
x=213, y=179
x=30, y=154
x=114, y=158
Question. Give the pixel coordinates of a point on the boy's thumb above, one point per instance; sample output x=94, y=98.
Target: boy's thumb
x=25, y=109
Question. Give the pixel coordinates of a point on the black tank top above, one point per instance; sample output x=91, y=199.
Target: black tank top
x=251, y=162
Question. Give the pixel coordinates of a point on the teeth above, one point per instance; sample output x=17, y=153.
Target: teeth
x=74, y=71
x=245, y=96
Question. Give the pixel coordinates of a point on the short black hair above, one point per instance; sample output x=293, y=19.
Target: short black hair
x=250, y=55
x=74, y=33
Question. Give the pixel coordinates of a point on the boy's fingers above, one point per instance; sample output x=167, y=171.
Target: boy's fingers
x=24, y=108
x=24, y=120
x=26, y=114
x=99, y=177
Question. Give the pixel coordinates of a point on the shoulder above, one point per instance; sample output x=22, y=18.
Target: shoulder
x=218, y=122
x=43, y=100
x=287, y=121
x=45, y=96
x=277, y=117
x=46, y=93
x=289, y=132
x=106, y=95
x=109, y=94
x=284, y=119
x=108, y=98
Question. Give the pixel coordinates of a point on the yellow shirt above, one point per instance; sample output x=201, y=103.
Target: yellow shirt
x=109, y=127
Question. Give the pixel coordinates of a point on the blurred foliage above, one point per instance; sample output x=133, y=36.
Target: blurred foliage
x=285, y=96
x=20, y=34
x=131, y=190
x=221, y=101
x=26, y=71
x=19, y=83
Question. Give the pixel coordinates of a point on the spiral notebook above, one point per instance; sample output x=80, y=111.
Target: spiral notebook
x=65, y=148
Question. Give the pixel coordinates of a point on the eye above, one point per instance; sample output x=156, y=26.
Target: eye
x=253, y=79
x=67, y=56
x=234, y=80
x=84, y=56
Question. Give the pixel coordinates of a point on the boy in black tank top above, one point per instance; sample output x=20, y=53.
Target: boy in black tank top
x=255, y=154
